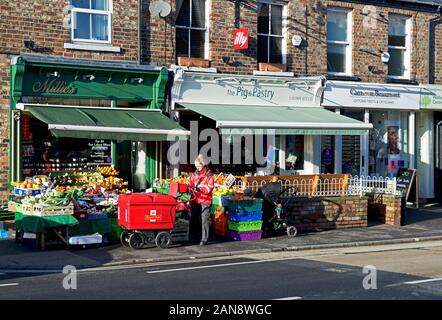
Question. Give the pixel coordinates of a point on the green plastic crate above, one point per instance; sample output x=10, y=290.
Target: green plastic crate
x=245, y=205
x=245, y=226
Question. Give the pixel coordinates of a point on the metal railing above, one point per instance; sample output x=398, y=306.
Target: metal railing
x=328, y=187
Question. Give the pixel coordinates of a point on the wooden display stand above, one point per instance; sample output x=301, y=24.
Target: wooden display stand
x=306, y=183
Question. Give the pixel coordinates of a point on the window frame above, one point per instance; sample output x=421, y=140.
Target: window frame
x=205, y=29
x=348, y=43
x=283, y=30
x=108, y=13
x=406, y=49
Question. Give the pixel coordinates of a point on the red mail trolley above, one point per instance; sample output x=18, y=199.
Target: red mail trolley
x=147, y=218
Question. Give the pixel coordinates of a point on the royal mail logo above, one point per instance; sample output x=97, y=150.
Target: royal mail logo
x=241, y=39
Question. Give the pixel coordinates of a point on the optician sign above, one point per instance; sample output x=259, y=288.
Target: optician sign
x=371, y=96
x=213, y=88
x=431, y=97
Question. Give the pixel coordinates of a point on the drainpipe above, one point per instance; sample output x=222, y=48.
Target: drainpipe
x=140, y=12
x=430, y=23
x=113, y=142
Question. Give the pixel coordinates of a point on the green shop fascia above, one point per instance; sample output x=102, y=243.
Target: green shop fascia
x=76, y=99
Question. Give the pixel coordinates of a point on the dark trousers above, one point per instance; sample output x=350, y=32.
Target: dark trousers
x=199, y=222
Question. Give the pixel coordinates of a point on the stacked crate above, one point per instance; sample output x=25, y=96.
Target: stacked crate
x=245, y=219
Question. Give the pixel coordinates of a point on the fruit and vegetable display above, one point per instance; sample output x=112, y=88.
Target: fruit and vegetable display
x=107, y=171
x=95, y=192
x=223, y=191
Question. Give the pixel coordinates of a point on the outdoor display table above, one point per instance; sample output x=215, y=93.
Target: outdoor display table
x=44, y=225
x=67, y=224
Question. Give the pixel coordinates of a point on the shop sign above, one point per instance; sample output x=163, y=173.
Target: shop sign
x=431, y=97
x=371, y=96
x=251, y=90
x=241, y=39
x=100, y=151
x=245, y=93
x=53, y=86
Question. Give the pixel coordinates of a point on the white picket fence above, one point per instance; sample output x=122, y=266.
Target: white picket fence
x=326, y=187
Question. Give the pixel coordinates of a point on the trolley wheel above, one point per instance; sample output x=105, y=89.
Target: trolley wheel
x=163, y=240
x=136, y=240
x=124, y=238
x=292, y=231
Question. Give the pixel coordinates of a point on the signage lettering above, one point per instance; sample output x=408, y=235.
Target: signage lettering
x=374, y=93
x=54, y=86
x=255, y=92
x=241, y=39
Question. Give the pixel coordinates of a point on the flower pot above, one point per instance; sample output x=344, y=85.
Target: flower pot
x=272, y=67
x=193, y=62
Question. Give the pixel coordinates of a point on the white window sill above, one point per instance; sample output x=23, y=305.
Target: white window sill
x=194, y=69
x=92, y=47
x=269, y=73
x=398, y=78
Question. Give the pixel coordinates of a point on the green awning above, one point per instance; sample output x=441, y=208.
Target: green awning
x=105, y=123
x=243, y=119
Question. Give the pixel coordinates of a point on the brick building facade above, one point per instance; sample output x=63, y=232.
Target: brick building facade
x=308, y=19
x=42, y=27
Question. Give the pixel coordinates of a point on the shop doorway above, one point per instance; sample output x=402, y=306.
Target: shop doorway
x=438, y=167
x=327, y=154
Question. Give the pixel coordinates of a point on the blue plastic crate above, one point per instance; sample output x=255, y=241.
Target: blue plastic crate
x=26, y=192
x=4, y=234
x=245, y=216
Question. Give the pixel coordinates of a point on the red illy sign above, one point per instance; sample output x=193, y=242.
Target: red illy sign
x=241, y=39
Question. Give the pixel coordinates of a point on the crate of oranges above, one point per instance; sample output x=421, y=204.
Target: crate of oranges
x=26, y=188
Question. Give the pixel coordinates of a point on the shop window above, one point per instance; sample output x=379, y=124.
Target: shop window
x=270, y=33
x=292, y=151
x=43, y=153
x=91, y=21
x=339, y=41
x=399, y=46
x=191, y=29
x=388, y=142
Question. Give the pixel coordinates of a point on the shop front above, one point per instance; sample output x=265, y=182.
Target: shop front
x=429, y=134
x=390, y=145
x=82, y=134
x=73, y=115
x=276, y=123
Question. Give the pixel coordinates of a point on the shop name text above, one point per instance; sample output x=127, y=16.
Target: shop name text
x=374, y=93
x=53, y=86
x=255, y=92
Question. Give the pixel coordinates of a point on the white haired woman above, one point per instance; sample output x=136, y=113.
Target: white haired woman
x=202, y=182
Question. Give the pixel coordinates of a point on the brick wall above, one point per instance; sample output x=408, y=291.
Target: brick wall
x=384, y=208
x=436, y=52
x=369, y=39
x=328, y=213
x=4, y=125
x=44, y=22
x=308, y=19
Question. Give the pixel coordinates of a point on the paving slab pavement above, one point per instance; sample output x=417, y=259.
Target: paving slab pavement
x=424, y=224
